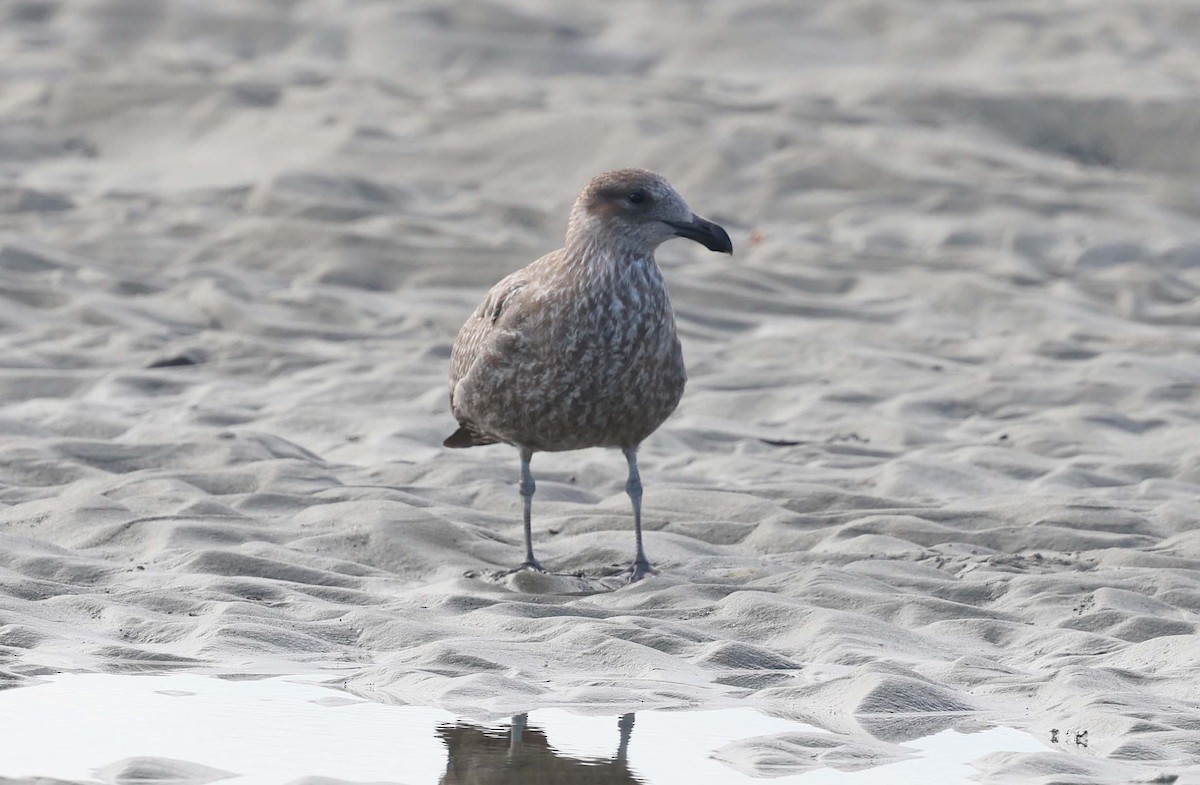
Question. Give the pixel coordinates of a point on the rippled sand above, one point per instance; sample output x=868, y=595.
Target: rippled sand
x=938, y=461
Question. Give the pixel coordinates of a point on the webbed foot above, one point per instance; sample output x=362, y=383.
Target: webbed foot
x=640, y=569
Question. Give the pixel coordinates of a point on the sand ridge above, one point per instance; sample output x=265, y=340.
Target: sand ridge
x=936, y=464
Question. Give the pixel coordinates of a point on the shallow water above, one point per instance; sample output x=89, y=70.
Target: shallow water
x=193, y=728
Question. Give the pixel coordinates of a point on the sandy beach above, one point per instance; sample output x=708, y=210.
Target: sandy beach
x=938, y=461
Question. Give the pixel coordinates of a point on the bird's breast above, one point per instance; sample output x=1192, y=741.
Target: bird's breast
x=619, y=366
x=624, y=332
x=589, y=361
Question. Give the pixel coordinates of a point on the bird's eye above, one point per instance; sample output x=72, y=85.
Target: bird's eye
x=637, y=197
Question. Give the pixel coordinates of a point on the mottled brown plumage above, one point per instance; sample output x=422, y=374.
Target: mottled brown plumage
x=579, y=349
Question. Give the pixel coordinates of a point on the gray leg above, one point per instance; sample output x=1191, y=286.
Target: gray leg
x=528, y=486
x=641, y=567
x=625, y=727
x=514, y=732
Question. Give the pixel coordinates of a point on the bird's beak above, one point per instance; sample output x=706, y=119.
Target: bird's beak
x=705, y=232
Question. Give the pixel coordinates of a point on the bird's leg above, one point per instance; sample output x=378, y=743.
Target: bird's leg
x=515, y=729
x=641, y=567
x=625, y=727
x=528, y=486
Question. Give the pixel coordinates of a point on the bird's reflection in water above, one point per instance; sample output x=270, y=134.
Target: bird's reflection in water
x=521, y=755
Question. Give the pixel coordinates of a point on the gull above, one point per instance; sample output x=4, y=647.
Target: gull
x=579, y=349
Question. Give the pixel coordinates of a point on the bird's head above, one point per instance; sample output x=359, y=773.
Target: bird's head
x=638, y=210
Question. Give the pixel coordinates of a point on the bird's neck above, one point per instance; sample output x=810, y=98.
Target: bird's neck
x=592, y=236
x=598, y=267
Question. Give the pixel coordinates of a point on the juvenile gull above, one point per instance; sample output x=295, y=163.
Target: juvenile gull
x=579, y=348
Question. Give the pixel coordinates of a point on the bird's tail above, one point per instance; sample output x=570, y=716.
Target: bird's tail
x=465, y=437
x=460, y=438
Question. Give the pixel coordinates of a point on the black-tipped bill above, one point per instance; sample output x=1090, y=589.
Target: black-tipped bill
x=705, y=232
